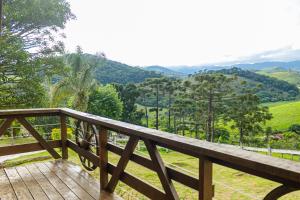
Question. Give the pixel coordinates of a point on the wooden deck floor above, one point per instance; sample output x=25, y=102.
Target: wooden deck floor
x=50, y=180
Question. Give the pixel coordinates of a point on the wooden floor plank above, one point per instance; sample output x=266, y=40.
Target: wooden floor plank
x=76, y=188
x=79, y=170
x=69, y=167
x=18, y=185
x=6, y=191
x=34, y=188
x=89, y=187
x=47, y=187
x=57, y=183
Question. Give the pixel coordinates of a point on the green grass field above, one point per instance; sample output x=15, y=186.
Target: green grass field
x=284, y=114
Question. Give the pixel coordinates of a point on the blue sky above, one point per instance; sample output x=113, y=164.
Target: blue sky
x=186, y=32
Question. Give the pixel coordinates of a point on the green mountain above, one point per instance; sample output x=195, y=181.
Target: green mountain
x=290, y=76
x=165, y=71
x=270, y=89
x=116, y=72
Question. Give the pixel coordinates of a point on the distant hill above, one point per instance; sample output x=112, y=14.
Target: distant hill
x=270, y=90
x=293, y=65
x=290, y=76
x=165, y=71
x=116, y=72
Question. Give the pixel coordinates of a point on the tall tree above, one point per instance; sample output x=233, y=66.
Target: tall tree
x=156, y=85
x=171, y=87
x=207, y=89
x=38, y=23
x=77, y=82
x=247, y=114
x=1, y=15
x=129, y=94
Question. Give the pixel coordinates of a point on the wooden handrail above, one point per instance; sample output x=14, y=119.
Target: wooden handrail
x=282, y=171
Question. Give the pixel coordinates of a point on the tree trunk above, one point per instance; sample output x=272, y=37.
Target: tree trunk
x=209, y=118
x=183, y=123
x=169, y=112
x=156, y=118
x=213, y=127
x=175, y=126
x=147, y=117
x=1, y=16
x=241, y=137
x=197, y=133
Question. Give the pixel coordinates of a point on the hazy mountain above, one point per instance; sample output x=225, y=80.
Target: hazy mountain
x=293, y=65
x=165, y=71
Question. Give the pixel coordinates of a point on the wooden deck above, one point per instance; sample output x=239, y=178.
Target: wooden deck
x=50, y=180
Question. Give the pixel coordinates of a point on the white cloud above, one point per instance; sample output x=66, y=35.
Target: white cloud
x=183, y=32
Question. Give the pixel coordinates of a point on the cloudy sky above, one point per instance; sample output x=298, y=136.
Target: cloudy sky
x=186, y=32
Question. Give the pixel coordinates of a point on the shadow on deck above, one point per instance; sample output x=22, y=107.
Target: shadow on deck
x=50, y=180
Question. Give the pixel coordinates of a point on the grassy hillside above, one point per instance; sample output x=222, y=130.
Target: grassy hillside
x=284, y=114
x=290, y=76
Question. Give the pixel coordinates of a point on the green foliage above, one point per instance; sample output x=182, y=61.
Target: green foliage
x=271, y=89
x=56, y=134
x=77, y=82
x=20, y=83
x=128, y=95
x=104, y=101
x=37, y=22
x=295, y=128
x=115, y=72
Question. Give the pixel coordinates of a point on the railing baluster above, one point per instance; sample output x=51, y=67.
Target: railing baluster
x=103, y=158
x=63, y=131
x=205, y=179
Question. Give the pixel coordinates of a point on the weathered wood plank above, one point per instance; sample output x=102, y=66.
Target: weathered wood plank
x=47, y=187
x=29, y=112
x=103, y=158
x=63, y=130
x=6, y=190
x=161, y=170
x=205, y=180
x=76, y=188
x=89, y=187
x=38, y=137
x=24, y=148
x=34, y=188
x=18, y=185
x=59, y=185
x=130, y=146
x=5, y=125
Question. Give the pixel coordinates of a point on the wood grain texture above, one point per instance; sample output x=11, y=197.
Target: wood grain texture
x=33, y=186
x=18, y=185
x=205, y=179
x=6, y=190
x=60, y=186
x=47, y=187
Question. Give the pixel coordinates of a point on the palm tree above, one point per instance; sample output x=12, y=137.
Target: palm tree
x=78, y=81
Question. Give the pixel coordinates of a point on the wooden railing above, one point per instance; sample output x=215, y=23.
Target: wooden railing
x=285, y=172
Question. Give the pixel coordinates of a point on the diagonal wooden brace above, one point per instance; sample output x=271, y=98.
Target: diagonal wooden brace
x=161, y=171
x=5, y=125
x=129, y=149
x=38, y=137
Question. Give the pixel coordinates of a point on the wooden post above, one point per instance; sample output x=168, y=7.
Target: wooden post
x=205, y=179
x=63, y=131
x=103, y=158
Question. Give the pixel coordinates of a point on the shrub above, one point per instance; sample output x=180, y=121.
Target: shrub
x=55, y=133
